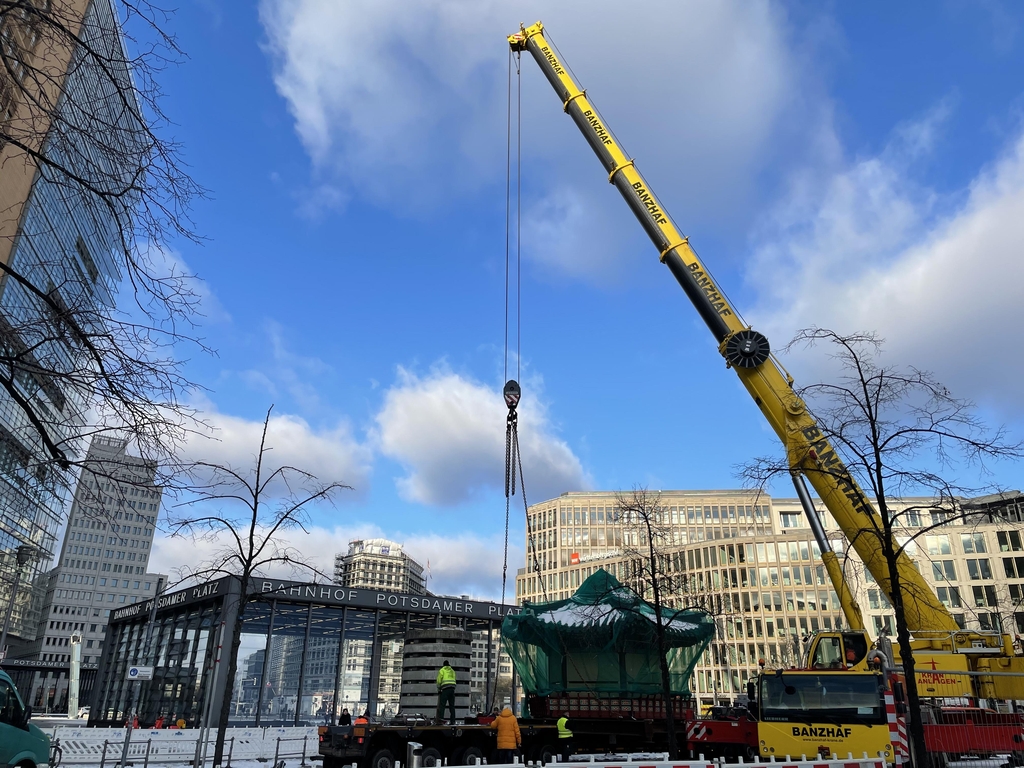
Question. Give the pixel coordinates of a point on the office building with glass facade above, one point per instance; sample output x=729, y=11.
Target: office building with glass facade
x=62, y=244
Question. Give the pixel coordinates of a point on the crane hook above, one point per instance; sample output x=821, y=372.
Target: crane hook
x=512, y=393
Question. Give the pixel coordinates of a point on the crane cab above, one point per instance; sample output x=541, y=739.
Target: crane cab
x=838, y=650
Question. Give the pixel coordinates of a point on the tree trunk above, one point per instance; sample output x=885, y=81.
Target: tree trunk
x=915, y=728
x=232, y=670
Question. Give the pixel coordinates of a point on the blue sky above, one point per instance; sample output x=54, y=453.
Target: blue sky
x=854, y=166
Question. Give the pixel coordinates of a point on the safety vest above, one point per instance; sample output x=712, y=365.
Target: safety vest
x=563, y=732
x=446, y=677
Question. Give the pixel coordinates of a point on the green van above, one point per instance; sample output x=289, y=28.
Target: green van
x=21, y=743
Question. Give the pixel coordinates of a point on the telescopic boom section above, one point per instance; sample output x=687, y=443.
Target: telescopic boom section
x=745, y=350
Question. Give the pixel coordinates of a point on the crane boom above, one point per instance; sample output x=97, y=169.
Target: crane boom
x=746, y=351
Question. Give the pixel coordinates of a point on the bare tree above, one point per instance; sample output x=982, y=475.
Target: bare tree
x=900, y=433
x=247, y=512
x=646, y=534
x=92, y=305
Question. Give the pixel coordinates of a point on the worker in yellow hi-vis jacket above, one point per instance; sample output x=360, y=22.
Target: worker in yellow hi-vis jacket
x=446, y=691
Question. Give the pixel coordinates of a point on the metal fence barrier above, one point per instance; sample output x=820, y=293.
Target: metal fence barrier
x=103, y=746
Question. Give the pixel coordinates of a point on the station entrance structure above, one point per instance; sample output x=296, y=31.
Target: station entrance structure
x=308, y=650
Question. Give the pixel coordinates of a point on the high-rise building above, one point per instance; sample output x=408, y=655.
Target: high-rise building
x=379, y=564
x=103, y=561
x=383, y=565
x=753, y=563
x=61, y=242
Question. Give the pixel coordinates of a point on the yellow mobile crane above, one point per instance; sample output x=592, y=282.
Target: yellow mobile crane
x=972, y=662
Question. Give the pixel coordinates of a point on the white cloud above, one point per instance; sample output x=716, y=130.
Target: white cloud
x=449, y=433
x=403, y=105
x=461, y=563
x=332, y=455
x=464, y=563
x=936, y=275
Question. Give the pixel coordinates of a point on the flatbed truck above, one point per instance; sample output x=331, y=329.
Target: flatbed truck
x=381, y=745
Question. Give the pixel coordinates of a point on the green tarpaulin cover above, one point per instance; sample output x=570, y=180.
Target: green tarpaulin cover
x=603, y=640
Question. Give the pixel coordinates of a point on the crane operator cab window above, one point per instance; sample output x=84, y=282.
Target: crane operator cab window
x=828, y=653
x=856, y=648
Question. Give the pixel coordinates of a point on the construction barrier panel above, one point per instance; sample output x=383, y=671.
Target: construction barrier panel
x=103, y=746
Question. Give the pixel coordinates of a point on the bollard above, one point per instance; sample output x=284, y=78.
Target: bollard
x=149, y=747
x=277, y=751
x=304, y=764
x=103, y=757
x=413, y=751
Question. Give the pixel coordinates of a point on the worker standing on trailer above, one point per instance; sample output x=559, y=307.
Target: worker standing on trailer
x=446, y=692
x=564, y=738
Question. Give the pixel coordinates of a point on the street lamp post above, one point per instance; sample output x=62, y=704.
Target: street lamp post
x=24, y=554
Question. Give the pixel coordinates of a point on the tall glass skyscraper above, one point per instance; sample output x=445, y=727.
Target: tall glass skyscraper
x=63, y=262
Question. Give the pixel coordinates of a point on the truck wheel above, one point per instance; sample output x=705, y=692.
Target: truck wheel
x=382, y=758
x=431, y=758
x=472, y=756
x=542, y=754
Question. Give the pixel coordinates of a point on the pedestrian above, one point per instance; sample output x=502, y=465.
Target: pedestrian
x=446, y=692
x=509, y=737
x=346, y=718
x=564, y=737
x=158, y=723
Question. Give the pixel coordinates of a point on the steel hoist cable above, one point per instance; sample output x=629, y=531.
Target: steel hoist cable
x=511, y=391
